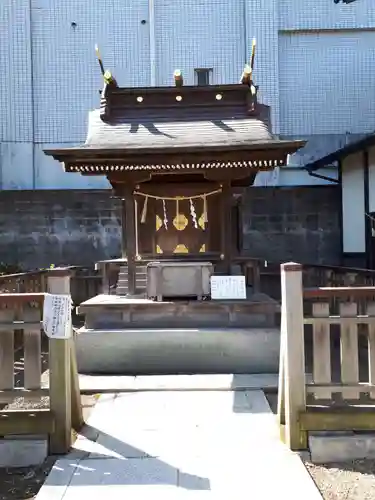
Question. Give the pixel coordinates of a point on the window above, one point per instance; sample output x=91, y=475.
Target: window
x=202, y=76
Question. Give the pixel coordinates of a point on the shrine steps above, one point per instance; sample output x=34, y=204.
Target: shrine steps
x=178, y=351
x=122, y=286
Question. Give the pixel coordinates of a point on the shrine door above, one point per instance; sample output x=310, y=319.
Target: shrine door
x=181, y=227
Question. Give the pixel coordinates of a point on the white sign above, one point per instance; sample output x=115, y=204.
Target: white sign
x=57, y=316
x=228, y=287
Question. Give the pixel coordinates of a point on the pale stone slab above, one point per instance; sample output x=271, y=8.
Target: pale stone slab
x=135, y=427
x=338, y=448
x=175, y=410
x=150, y=411
x=145, y=492
x=263, y=477
x=205, y=444
x=113, y=383
x=58, y=480
x=272, y=473
x=84, y=448
x=22, y=452
x=133, y=472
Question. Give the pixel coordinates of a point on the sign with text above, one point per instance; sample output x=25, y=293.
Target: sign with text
x=57, y=316
x=228, y=287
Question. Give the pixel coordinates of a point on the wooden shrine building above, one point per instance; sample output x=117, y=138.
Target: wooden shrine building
x=179, y=157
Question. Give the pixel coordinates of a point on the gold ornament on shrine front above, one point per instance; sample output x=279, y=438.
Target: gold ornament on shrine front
x=180, y=222
x=177, y=221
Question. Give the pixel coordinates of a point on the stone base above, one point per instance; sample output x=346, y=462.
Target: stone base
x=178, y=351
x=22, y=452
x=341, y=446
x=111, y=312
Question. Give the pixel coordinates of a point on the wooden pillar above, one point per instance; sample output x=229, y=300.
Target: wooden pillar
x=123, y=229
x=130, y=238
x=292, y=388
x=65, y=399
x=226, y=226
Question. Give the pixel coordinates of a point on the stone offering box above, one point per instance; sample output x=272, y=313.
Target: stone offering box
x=178, y=279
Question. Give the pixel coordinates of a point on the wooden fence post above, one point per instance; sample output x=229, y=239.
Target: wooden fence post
x=292, y=355
x=63, y=386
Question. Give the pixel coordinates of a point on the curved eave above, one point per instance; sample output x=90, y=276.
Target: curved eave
x=276, y=150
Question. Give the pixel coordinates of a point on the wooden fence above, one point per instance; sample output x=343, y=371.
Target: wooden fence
x=332, y=401
x=85, y=283
x=23, y=312
x=316, y=275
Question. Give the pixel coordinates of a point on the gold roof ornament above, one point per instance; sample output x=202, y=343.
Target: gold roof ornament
x=248, y=72
x=107, y=75
x=178, y=78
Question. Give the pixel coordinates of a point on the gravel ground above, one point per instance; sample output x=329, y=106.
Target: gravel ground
x=345, y=481
x=24, y=483
x=351, y=480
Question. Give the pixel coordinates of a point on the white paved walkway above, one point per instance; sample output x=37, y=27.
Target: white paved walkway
x=190, y=444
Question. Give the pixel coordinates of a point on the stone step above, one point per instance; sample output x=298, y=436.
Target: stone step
x=167, y=351
x=125, y=313
x=94, y=384
x=138, y=269
x=138, y=273
x=125, y=279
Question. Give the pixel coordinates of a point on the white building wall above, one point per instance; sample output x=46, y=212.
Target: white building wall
x=353, y=204
x=325, y=15
x=325, y=80
x=262, y=24
x=198, y=34
x=371, y=180
x=66, y=72
x=16, y=124
x=317, y=83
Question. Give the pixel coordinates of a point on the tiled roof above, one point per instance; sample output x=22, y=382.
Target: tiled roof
x=132, y=133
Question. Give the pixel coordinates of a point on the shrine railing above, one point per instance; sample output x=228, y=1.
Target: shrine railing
x=316, y=275
x=28, y=282
x=341, y=395
x=24, y=375
x=85, y=283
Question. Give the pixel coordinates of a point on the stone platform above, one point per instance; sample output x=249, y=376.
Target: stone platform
x=178, y=351
x=110, y=311
x=136, y=336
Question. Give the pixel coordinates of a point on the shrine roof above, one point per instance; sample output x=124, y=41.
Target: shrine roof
x=183, y=132
x=168, y=121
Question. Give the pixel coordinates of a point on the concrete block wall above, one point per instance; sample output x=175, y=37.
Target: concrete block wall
x=77, y=227
x=293, y=224
x=40, y=228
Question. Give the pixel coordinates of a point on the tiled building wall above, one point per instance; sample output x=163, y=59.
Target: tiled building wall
x=197, y=34
x=325, y=14
x=313, y=65
x=336, y=102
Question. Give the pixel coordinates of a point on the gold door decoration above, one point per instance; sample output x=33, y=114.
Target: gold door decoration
x=185, y=220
